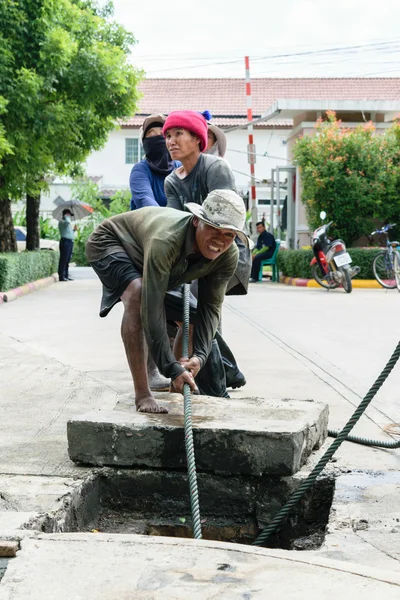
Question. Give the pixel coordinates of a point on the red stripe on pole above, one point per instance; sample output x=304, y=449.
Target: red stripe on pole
x=250, y=128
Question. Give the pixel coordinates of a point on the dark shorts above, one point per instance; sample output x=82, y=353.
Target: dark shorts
x=116, y=272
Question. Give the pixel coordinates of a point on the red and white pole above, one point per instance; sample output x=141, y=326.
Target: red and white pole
x=251, y=149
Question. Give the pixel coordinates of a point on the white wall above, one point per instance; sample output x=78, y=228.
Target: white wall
x=270, y=141
x=110, y=161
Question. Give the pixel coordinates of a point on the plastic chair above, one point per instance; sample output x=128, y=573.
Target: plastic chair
x=273, y=261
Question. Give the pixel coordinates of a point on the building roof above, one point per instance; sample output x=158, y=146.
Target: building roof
x=226, y=98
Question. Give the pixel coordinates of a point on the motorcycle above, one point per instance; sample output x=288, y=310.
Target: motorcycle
x=331, y=263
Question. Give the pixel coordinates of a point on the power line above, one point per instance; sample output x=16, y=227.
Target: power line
x=266, y=155
x=391, y=46
x=197, y=56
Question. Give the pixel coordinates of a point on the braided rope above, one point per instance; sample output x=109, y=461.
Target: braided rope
x=366, y=441
x=341, y=437
x=190, y=457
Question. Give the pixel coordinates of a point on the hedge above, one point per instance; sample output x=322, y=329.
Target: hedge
x=17, y=268
x=296, y=263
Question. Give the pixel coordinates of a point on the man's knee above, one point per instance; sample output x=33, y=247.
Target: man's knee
x=131, y=297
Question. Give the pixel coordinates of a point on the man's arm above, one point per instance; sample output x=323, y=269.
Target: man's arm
x=173, y=199
x=142, y=193
x=220, y=177
x=158, y=261
x=210, y=298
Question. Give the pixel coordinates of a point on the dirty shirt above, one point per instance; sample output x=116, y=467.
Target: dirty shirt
x=160, y=243
x=209, y=173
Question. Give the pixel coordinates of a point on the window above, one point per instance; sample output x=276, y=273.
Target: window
x=133, y=151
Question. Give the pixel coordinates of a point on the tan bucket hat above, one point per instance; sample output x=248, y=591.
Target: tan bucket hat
x=220, y=137
x=222, y=209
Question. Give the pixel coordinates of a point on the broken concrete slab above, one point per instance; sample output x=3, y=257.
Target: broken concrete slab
x=24, y=498
x=102, y=566
x=247, y=436
x=365, y=519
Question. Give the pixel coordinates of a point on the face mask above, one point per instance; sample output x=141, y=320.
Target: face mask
x=157, y=155
x=67, y=218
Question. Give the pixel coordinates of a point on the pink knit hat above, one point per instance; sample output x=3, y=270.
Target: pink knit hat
x=192, y=121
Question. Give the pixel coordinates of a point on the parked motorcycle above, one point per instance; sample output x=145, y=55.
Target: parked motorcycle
x=331, y=263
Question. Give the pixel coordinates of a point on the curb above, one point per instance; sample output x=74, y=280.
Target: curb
x=311, y=283
x=27, y=288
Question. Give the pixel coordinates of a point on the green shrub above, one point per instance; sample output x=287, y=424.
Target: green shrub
x=82, y=236
x=17, y=268
x=47, y=230
x=296, y=263
x=351, y=174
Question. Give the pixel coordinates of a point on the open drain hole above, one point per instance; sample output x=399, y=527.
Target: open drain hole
x=233, y=509
x=3, y=567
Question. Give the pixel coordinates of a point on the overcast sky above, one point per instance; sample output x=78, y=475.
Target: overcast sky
x=209, y=38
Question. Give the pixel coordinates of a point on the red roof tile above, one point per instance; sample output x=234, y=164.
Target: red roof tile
x=226, y=98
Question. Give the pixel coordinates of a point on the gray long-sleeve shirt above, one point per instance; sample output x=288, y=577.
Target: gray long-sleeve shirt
x=210, y=173
x=160, y=242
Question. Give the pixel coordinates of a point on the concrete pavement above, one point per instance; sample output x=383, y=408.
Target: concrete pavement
x=58, y=360
x=122, y=567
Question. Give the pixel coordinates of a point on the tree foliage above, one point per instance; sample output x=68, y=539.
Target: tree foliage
x=351, y=174
x=65, y=80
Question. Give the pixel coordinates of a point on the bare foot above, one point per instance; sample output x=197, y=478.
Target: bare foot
x=149, y=405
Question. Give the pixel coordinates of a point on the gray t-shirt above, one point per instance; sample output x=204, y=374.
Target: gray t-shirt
x=210, y=173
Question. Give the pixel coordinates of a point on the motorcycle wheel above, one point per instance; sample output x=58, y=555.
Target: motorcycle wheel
x=347, y=285
x=320, y=278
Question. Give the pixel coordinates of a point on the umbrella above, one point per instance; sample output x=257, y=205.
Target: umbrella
x=79, y=210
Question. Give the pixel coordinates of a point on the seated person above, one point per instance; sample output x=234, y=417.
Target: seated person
x=264, y=249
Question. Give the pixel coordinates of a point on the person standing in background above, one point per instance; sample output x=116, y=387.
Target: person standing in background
x=66, y=245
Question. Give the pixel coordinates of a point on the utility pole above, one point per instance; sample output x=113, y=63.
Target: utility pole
x=251, y=149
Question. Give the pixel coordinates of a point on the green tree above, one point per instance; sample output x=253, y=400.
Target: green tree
x=351, y=174
x=65, y=76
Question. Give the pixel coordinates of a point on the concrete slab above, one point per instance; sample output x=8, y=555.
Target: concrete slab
x=106, y=567
x=246, y=436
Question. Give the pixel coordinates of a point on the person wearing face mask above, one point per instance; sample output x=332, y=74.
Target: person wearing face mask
x=147, y=176
x=66, y=245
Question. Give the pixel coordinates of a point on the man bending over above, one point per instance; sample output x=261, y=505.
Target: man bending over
x=142, y=254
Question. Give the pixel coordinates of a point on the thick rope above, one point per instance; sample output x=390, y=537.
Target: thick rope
x=366, y=441
x=191, y=462
x=341, y=437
